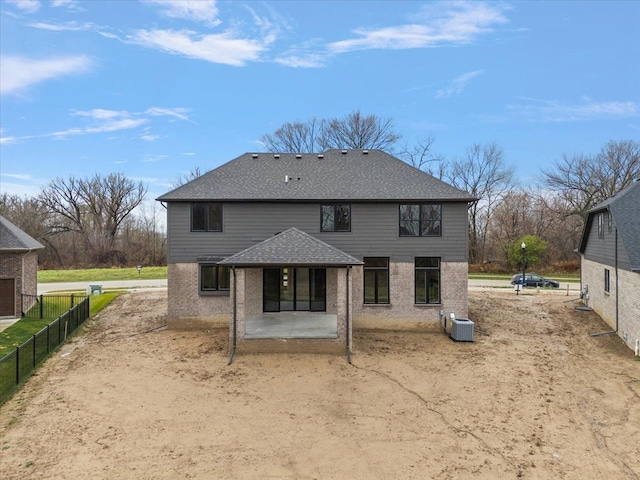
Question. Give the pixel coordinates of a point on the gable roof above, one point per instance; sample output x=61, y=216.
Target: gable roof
x=14, y=239
x=354, y=175
x=291, y=247
x=625, y=208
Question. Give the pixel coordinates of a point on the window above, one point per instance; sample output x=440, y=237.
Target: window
x=421, y=220
x=601, y=225
x=213, y=278
x=335, y=218
x=206, y=217
x=376, y=280
x=294, y=289
x=607, y=280
x=609, y=222
x=427, y=278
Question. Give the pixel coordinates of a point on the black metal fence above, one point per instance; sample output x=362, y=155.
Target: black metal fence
x=18, y=365
x=47, y=306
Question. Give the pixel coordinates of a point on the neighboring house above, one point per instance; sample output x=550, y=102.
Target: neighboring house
x=267, y=243
x=610, y=262
x=18, y=267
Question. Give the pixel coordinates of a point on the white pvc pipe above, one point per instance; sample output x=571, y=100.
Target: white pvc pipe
x=637, y=347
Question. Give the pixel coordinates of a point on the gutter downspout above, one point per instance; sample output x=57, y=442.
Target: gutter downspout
x=234, y=320
x=347, y=322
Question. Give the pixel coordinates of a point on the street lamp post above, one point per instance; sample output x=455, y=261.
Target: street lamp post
x=524, y=262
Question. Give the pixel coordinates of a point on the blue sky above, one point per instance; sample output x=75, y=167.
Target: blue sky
x=154, y=88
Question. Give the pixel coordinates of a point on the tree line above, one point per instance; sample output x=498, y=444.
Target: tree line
x=103, y=220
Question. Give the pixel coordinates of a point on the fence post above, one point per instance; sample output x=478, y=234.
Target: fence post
x=48, y=339
x=72, y=300
x=41, y=305
x=17, y=365
x=34, y=351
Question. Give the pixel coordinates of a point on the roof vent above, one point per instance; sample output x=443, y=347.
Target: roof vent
x=254, y=155
x=344, y=152
x=320, y=155
x=286, y=179
x=276, y=155
x=365, y=152
x=298, y=155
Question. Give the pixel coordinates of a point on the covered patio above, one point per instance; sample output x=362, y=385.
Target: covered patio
x=291, y=286
x=291, y=325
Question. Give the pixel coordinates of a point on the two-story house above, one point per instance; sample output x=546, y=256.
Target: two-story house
x=305, y=247
x=610, y=262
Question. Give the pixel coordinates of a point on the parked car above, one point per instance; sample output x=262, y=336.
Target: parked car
x=533, y=280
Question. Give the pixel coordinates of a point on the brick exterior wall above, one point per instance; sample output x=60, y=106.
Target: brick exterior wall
x=187, y=309
x=604, y=304
x=23, y=268
x=403, y=311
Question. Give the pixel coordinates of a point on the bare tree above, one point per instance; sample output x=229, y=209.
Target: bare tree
x=583, y=181
x=359, y=131
x=353, y=131
x=298, y=137
x=187, y=177
x=94, y=208
x=420, y=155
x=486, y=176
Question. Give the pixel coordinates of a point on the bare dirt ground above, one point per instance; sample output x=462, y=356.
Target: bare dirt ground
x=536, y=398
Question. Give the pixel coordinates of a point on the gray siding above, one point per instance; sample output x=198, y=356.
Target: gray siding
x=603, y=250
x=374, y=231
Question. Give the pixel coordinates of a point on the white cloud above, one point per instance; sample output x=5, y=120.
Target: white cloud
x=179, y=113
x=64, y=27
x=204, y=11
x=438, y=24
x=104, y=121
x=555, y=111
x=27, y=6
x=458, y=84
x=216, y=48
x=18, y=73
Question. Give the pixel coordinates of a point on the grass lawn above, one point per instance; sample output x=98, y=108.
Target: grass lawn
x=101, y=274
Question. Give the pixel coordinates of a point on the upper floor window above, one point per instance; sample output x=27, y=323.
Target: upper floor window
x=206, y=217
x=213, y=278
x=601, y=225
x=335, y=218
x=421, y=220
x=609, y=222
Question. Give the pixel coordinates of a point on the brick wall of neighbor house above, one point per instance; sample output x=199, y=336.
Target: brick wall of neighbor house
x=30, y=273
x=605, y=304
x=403, y=312
x=189, y=310
x=249, y=302
x=629, y=305
x=11, y=267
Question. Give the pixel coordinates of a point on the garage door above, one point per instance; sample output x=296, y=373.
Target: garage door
x=7, y=297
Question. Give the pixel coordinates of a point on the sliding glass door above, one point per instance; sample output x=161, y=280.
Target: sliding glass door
x=294, y=289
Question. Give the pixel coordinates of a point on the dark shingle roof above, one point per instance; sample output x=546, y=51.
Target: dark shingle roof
x=354, y=175
x=625, y=209
x=291, y=247
x=14, y=239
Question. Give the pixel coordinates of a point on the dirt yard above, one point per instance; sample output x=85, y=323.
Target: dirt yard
x=535, y=397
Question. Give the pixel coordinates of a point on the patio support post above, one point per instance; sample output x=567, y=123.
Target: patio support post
x=348, y=346
x=234, y=320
